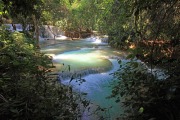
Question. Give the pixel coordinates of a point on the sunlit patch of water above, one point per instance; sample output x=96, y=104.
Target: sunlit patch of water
x=51, y=49
x=83, y=59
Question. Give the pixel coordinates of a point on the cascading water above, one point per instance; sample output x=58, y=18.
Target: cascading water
x=97, y=87
x=98, y=40
x=94, y=60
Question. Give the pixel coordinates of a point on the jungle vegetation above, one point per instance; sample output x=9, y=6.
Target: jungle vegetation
x=147, y=29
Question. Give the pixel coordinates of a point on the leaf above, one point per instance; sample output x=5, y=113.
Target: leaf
x=16, y=63
x=130, y=56
x=14, y=111
x=119, y=61
x=117, y=101
x=71, y=79
x=135, y=64
x=122, y=94
x=102, y=109
x=141, y=110
x=69, y=68
x=84, y=93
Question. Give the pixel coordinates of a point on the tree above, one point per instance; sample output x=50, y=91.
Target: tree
x=25, y=11
x=28, y=89
x=53, y=11
x=151, y=26
x=119, y=23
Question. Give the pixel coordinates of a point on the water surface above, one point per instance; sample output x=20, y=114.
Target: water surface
x=98, y=60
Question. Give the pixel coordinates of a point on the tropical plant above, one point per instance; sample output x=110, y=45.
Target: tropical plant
x=150, y=26
x=28, y=90
x=147, y=94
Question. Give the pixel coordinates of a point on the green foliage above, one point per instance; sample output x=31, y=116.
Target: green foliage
x=53, y=11
x=133, y=88
x=119, y=24
x=61, y=24
x=143, y=95
x=156, y=19
x=21, y=12
x=27, y=88
x=132, y=21
x=83, y=14
x=26, y=7
x=28, y=91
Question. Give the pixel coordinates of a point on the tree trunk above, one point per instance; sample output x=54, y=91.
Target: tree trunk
x=36, y=31
x=1, y=20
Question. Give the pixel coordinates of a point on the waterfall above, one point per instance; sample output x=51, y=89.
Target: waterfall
x=89, y=72
x=16, y=27
x=104, y=39
x=51, y=32
x=88, y=75
x=98, y=40
x=67, y=74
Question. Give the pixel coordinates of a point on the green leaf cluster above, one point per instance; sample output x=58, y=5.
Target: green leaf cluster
x=28, y=90
x=143, y=95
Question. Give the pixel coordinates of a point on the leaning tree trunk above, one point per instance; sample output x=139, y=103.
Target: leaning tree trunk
x=36, y=31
